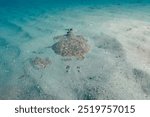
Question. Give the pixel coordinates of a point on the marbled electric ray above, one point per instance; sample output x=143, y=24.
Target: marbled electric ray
x=71, y=45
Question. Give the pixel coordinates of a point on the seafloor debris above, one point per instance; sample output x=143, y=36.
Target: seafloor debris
x=71, y=45
x=78, y=68
x=40, y=63
x=67, y=68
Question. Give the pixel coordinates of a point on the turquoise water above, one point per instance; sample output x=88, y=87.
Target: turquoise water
x=116, y=67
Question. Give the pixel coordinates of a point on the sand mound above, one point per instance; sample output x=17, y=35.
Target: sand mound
x=40, y=63
x=71, y=45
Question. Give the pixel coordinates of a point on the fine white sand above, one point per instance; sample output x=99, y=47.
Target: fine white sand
x=116, y=67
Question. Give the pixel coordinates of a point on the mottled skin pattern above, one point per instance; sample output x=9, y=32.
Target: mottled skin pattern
x=71, y=45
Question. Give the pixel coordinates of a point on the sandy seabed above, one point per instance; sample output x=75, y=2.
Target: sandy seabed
x=116, y=67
